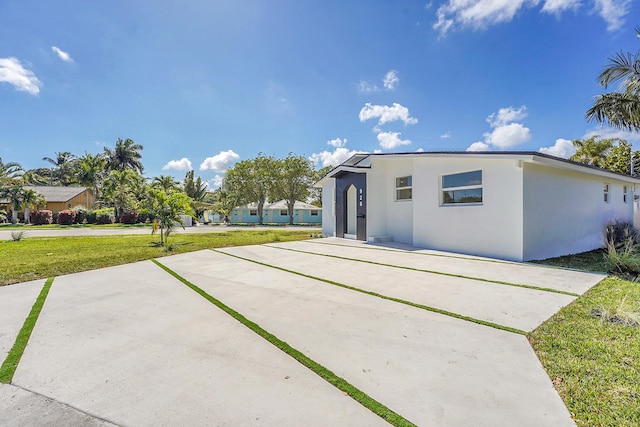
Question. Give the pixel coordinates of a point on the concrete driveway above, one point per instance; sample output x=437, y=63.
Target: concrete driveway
x=438, y=338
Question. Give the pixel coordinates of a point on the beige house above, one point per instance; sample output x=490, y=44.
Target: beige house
x=61, y=198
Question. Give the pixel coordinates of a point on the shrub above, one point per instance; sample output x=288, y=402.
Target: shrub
x=17, y=235
x=66, y=217
x=81, y=214
x=3, y=216
x=145, y=216
x=619, y=232
x=129, y=218
x=41, y=217
x=100, y=216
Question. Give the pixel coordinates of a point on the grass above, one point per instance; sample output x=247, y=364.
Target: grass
x=326, y=374
x=37, y=258
x=591, y=348
x=10, y=364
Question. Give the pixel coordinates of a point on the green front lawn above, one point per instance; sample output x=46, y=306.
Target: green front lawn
x=593, y=363
x=36, y=258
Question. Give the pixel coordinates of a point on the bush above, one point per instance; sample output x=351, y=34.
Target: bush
x=145, y=216
x=3, y=216
x=129, y=218
x=100, y=216
x=41, y=217
x=619, y=233
x=81, y=214
x=66, y=217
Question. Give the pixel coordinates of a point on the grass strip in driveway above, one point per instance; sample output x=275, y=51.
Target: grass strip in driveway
x=375, y=294
x=326, y=374
x=10, y=364
x=460, y=276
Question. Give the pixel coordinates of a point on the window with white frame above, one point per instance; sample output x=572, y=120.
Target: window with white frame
x=606, y=193
x=314, y=213
x=624, y=193
x=404, y=188
x=462, y=188
x=284, y=212
x=253, y=212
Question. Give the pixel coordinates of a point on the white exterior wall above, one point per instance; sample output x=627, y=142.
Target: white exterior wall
x=329, y=208
x=385, y=215
x=565, y=212
x=492, y=228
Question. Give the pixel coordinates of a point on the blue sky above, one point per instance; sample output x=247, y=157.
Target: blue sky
x=202, y=84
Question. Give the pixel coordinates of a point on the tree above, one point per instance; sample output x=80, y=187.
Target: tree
x=126, y=155
x=225, y=201
x=14, y=194
x=315, y=194
x=196, y=189
x=91, y=172
x=620, y=109
x=620, y=157
x=252, y=180
x=62, y=168
x=592, y=151
x=168, y=209
x=9, y=172
x=34, y=177
x=31, y=198
x=118, y=184
x=165, y=182
x=294, y=176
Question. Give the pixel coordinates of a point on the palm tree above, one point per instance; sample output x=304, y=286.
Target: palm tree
x=32, y=177
x=117, y=184
x=165, y=182
x=9, y=172
x=61, y=167
x=620, y=109
x=15, y=195
x=91, y=172
x=126, y=155
x=31, y=198
x=592, y=151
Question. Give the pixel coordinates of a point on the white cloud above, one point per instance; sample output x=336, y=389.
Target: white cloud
x=389, y=140
x=391, y=80
x=480, y=14
x=335, y=157
x=366, y=87
x=445, y=135
x=506, y=115
x=613, y=12
x=558, y=6
x=608, y=133
x=217, y=181
x=62, y=54
x=562, y=148
x=477, y=14
x=386, y=114
x=220, y=162
x=332, y=158
x=507, y=136
x=183, y=164
x=420, y=150
x=337, y=142
x=12, y=72
x=478, y=146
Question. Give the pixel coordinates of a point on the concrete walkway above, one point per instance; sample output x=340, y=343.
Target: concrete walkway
x=132, y=345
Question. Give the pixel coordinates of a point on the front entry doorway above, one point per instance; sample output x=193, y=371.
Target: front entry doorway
x=351, y=205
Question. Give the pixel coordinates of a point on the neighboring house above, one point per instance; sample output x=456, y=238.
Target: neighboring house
x=511, y=205
x=61, y=198
x=277, y=213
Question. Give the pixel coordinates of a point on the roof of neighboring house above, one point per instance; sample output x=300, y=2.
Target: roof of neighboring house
x=57, y=194
x=362, y=161
x=281, y=204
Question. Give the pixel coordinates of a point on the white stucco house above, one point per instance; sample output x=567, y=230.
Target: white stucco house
x=510, y=205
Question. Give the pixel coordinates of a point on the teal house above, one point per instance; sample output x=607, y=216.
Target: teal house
x=277, y=213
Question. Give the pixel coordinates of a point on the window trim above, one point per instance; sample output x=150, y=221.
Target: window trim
x=253, y=212
x=606, y=192
x=625, y=190
x=314, y=212
x=286, y=212
x=404, y=188
x=444, y=189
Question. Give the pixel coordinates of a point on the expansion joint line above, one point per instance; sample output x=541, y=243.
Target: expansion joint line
x=10, y=364
x=329, y=376
x=460, y=276
x=387, y=297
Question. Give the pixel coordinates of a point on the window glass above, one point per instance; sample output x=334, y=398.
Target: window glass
x=462, y=179
x=471, y=195
x=253, y=212
x=404, y=181
x=403, y=194
x=314, y=213
x=284, y=212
